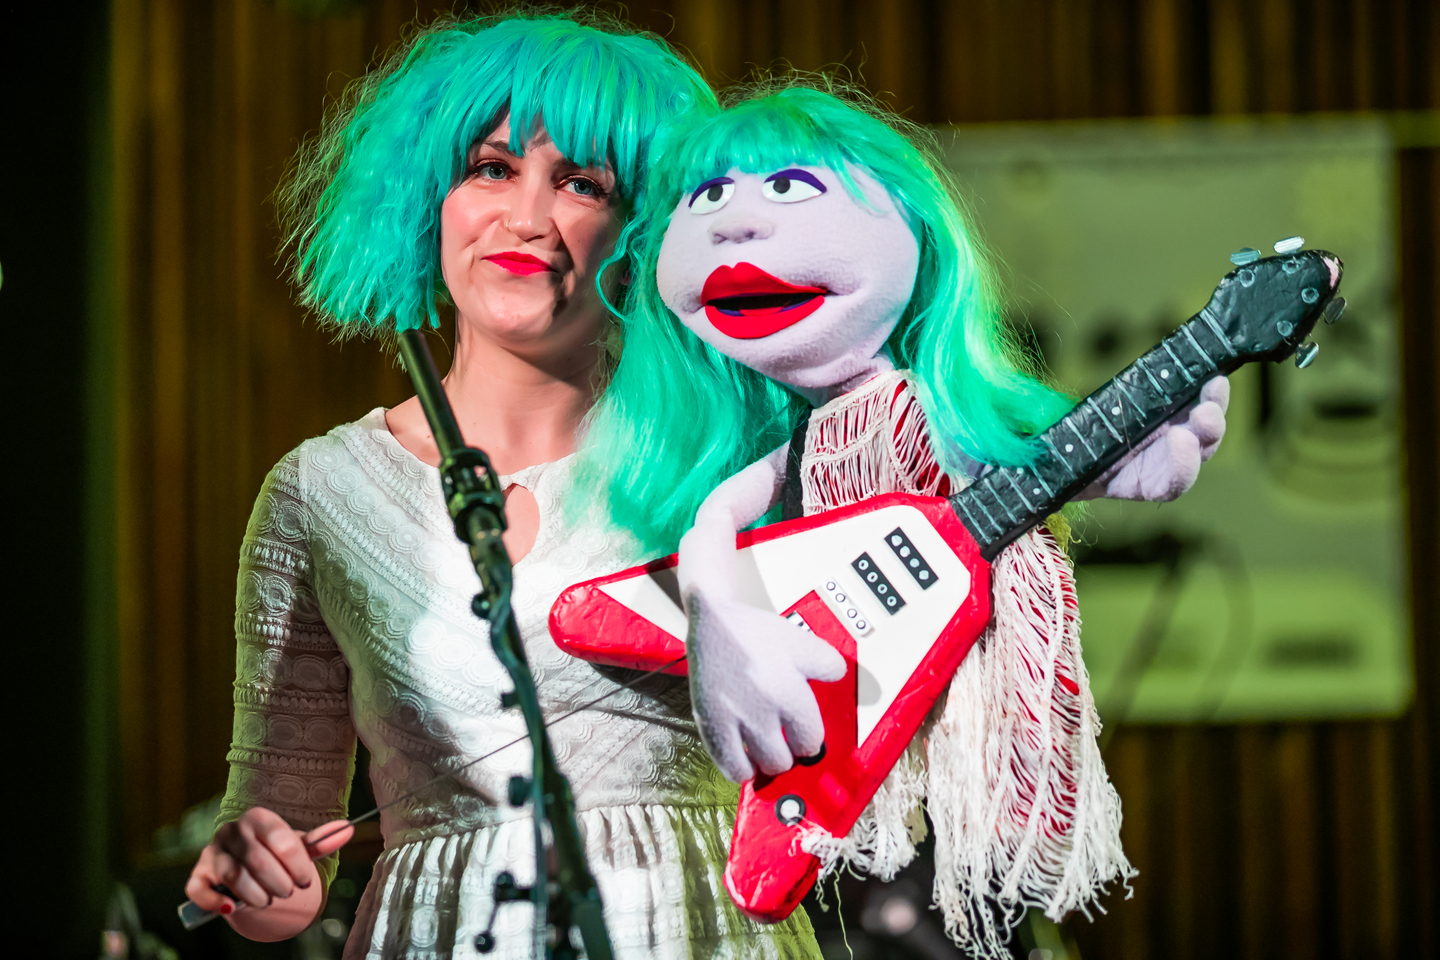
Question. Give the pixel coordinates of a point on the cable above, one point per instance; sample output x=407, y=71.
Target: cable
x=521, y=739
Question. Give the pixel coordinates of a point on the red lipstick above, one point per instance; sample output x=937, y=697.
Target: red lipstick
x=746, y=303
x=522, y=264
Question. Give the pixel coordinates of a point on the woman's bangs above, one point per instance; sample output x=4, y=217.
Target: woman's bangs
x=586, y=101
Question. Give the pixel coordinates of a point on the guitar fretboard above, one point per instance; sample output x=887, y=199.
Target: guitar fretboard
x=1008, y=501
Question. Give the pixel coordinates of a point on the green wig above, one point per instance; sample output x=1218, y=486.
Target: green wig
x=361, y=204
x=689, y=417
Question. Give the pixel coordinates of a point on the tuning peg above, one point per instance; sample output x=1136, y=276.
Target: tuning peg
x=1305, y=354
x=1244, y=255
x=1334, y=309
x=1289, y=244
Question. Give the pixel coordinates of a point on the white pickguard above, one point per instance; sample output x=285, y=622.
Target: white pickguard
x=774, y=575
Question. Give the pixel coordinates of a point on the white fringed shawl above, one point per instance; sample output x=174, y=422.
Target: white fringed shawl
x=1008, y=765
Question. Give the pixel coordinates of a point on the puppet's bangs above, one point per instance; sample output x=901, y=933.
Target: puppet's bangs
x=758, y=136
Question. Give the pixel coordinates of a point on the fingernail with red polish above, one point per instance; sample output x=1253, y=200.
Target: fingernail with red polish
x=226, y=908
x=304, y=886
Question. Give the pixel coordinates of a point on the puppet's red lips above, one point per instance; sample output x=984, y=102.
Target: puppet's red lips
x=746, y=303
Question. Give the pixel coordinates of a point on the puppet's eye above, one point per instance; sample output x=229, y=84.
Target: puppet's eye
x=791, y=186
x=711, y=195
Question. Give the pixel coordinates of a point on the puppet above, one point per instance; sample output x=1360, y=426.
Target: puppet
x=819, y=245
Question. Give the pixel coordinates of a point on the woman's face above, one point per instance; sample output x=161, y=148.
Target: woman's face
x=521, y=239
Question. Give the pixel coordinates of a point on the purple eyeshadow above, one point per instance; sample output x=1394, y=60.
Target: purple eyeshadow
x=716, y=182
x=797, y=174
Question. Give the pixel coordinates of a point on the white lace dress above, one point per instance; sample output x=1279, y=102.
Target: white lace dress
x=353, y=614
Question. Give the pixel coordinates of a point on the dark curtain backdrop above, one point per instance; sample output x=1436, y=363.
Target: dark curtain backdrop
x=1277, y=840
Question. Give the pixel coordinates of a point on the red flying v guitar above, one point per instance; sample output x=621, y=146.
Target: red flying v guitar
x=900, y=584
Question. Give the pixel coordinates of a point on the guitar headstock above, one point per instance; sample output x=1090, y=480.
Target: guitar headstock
x=1268, y=307
x=1262, y=310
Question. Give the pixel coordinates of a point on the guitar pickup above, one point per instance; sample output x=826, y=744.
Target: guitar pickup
x=878, y=583
x=910, y=558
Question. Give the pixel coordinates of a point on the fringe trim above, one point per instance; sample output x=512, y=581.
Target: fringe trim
x=1024, y=813
x=872, y=440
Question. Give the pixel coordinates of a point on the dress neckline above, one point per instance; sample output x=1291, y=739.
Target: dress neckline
x=527, y=477
x=425, y=479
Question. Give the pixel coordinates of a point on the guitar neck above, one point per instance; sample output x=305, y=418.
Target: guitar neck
x=1102, y=428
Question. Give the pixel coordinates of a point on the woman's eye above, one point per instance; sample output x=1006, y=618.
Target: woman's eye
x=491, y=171
x=711, y=195
x=585, y=188
x=791, y=186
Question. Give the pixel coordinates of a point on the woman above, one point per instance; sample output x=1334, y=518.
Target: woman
x=491, y=163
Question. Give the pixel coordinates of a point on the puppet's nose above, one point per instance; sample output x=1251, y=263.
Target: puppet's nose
x=738, y=229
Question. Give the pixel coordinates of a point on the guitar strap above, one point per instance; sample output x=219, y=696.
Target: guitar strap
x=792, y=505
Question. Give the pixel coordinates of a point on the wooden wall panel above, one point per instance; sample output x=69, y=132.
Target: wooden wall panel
x=220, y=372
x=1293, y=840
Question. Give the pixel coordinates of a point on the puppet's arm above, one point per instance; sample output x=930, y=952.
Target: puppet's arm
x=1167, y=463
x=749, y=668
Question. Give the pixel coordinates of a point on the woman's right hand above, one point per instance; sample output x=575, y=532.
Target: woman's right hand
x=269, y=867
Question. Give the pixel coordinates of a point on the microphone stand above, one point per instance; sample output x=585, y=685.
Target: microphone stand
x=477, y=506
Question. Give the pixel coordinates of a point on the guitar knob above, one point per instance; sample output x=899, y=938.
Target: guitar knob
x=1289, y=244
x=810, y=761
x=790, y=809
x=1334, y=309
x=1305, y=354
x=1244, y=255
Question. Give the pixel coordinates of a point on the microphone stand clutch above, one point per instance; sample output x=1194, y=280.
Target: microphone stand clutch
x=568, y=899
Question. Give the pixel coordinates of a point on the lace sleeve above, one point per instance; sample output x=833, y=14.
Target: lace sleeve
x=293, y=750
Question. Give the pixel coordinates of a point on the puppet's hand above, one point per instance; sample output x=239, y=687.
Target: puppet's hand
x=749, y=683
x=1167, y=464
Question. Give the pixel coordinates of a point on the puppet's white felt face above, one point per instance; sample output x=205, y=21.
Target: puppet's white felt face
x=788, y=273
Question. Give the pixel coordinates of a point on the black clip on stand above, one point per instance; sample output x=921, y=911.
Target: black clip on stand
x=476, y=503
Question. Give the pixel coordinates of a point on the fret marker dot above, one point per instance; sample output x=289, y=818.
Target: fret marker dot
x=1115, y=411
x=1036, y=491
x=1164, y=374
x=1069, y=448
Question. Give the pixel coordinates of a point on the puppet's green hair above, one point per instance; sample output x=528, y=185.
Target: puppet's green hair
x=688, y=417
x=361, y=203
